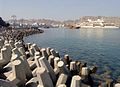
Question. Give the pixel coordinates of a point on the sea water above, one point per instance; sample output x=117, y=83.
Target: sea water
x=100, y=47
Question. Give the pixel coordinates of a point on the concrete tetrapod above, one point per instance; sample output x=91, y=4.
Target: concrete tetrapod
x=37, y=61
x=9, y=50
x=44, y=53
x=37, y=53
x=51, y=60
x=16, y=51
x=22, y=51
x=66, y=59
x=56, y=60
x=35, y=47
x=62, y=79
x=76, y=81
x=5, y=57
x=1, y=43
x=28, y=45
x=31, y=51
x=62, y=85
x=48, y=51
x=18, y=44
x=56, y=69
x=11, y=42
x=44, y=78
x=52, y=51
x=17, y=76
x=84, y=71
x=63, y=68
x=73, y=66
x=4, y=83
x=117, y=85
x=27, y=69
x=44, y=63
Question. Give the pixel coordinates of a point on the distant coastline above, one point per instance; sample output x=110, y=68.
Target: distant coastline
x=49, y=23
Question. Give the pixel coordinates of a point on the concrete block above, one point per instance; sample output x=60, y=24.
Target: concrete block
x=26, y=66
x=73, y=66
x=18, y=73
x=44, y=63
x=11, y=42
x=76, y=81
x=14, y=57
x=37, y=61
x=14, y=80
x=62, y=85
x=57, y=54
x=44, y=78
x=22, y=50
x=44, y=53
x=66, y=59
x=63, y=68
x=56, y=60
x=32, y=65
x=85, y=71
x=53, y=52
x=34, y=72
x=48, y=51
x=51, y=60
x=5, y=57
x=1, y=42
x=56, y=70
x=28, y=45
x=16, y=51
x=35, y=47
x=78, y=66
x=62, y=79
x=31, y=51
x=18, y=44
x=37, y=53
x=33, y=82
x=8, y=47
x=117, y=85
x=6, y=42
x=9, y=50
x=4, y=83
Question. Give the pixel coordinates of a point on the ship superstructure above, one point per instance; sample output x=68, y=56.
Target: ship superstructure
x=99, y=23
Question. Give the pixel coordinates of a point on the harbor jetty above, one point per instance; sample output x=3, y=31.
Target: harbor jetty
x=18, y=34
x=27, y=65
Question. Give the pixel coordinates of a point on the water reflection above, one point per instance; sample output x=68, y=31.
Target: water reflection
x=89, y=33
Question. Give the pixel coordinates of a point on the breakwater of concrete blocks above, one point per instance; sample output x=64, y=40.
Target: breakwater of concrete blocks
x=27, y=65
x=18, y=33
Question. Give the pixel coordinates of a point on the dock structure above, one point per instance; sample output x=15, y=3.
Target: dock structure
x=27, y=65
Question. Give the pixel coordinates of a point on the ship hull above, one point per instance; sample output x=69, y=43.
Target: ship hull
x=96, y=27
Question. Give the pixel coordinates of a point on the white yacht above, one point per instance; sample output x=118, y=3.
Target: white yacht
x=96, y=24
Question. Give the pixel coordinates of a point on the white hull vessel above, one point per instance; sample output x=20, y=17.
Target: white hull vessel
x=96, y=24
x=96, y=27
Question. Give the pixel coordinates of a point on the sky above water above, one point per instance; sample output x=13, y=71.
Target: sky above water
x=58, y=9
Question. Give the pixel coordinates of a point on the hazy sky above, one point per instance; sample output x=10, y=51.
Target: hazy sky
x=58, y=9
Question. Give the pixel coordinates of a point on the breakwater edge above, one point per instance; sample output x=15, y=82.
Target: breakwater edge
x=27, y=64
x=18, y=34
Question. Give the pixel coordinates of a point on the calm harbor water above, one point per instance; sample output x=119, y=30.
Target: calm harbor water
x=99, y=47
